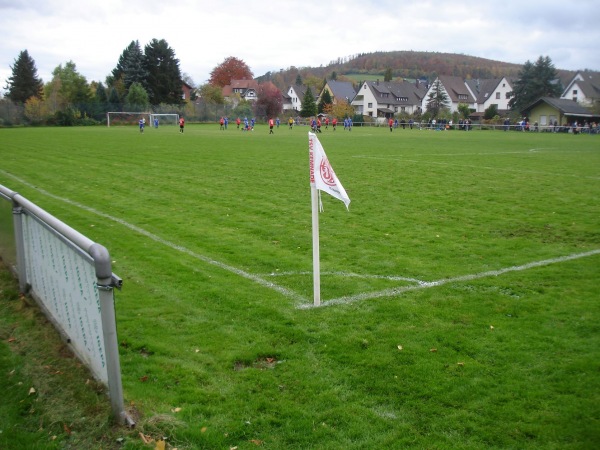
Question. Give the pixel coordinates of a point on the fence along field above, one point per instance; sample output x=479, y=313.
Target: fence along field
x=448, y=234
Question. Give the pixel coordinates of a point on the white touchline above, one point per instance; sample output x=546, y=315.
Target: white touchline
x=422, y=285
x=261, y=281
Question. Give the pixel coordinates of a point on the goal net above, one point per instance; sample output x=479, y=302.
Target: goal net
x=163, y=119
x=127, y=118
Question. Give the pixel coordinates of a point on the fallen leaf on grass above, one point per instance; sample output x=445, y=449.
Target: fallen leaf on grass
x=12, y=339
x=31, y=391
x=203, y=429
x=491, y=327
x=67, y=429
x=460, y=364
x=400, y=347
x=256, y=442
x=176, y=410
x=146, y=439
x=160, y=445
x=433, y=350
x=144, y=378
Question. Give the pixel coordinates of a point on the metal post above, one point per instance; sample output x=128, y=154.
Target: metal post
x=109, y=330
x=20, y=246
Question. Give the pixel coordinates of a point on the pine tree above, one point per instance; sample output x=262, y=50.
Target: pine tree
x=437, y=99
x=535, y=81
x=164, y=77
x=309, y=106
x=130, y=67
x=325, y=100
x=24, y=82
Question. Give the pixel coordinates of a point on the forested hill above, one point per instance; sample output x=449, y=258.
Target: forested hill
x=404, y=65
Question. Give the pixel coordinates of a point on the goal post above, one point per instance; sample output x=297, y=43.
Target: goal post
x=163, y=119
x=126, y=117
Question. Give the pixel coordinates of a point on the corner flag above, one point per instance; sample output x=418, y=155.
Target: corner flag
x=322, y=178
x=322, y=175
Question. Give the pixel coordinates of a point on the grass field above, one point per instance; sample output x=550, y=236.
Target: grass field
x=460, y=292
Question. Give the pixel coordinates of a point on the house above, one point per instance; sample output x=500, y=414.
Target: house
x=385, y=99
x=490, y=92
x=292, y=99
x=547, y=110
x=187, y=91
x=340, y=91
x=241, y=89
x=584, y=88
x=457, y=91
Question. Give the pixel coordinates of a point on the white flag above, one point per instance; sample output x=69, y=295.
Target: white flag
x=322, y=175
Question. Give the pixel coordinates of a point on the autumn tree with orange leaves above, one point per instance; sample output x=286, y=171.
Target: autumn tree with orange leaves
x=231, y=69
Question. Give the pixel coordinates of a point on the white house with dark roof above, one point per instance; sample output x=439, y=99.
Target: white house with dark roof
x=584, y=88
x=295, y=94
x=244, y=89
x=490, y=92
x=387, y=98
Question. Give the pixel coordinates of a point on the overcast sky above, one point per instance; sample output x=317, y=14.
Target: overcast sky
x=273, y=35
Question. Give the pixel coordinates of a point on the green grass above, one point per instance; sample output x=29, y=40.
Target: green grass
x=199, y=224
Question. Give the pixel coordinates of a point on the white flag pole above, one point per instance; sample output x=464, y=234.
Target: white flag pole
x=314, y=193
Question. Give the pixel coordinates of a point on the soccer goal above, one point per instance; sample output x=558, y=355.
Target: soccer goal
x=126, y=118
x=163, y=119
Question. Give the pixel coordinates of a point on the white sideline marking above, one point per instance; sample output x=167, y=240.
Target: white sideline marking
x=422, y=285
x=261, y=281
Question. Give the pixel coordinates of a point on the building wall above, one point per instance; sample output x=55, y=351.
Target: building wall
x=544, y=113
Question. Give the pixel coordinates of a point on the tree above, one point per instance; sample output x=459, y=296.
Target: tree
x=137, y=98
x=309, y=106
x=491, y=112
x=342, y=110
x=437, y=99
x=230, y=69
x=535, y=81
x=464, y=110
x=270, y=100
x=387, y=76
x=211, y=94
x=35, y=110
x=164, y=77
x=298, y=80
x=24, y=82
x=325, y=101
x=134, y=69
x=71, y=88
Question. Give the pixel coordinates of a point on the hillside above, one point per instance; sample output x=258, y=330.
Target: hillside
x=404, y=65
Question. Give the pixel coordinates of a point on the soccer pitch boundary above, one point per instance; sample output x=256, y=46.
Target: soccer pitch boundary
x=305, y=302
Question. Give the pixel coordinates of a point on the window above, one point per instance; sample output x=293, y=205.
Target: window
x=574, y=91
x=463, y=97
x=402, y=99
x=497, y=95
x=370, y=105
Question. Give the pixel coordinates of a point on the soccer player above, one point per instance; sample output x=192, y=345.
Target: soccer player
x=334, y=123
x=271, y=126
x=142, y=122
x=291, y=122
x=181, y=124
